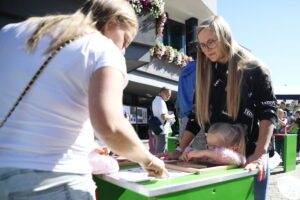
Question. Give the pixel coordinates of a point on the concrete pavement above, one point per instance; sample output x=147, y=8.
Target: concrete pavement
x=285, y=186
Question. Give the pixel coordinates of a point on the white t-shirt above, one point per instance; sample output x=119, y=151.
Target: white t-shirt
x=49, y=130
x=159, y=107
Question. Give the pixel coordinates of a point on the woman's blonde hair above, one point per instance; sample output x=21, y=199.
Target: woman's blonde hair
x=231, y=134
x=236, y=56
x=93, y=15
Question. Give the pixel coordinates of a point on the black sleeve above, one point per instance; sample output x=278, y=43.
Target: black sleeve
x=298, y=121
x=192, y=124
x=264, y=98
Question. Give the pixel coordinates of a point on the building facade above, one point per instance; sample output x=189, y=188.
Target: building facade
x=147, y=74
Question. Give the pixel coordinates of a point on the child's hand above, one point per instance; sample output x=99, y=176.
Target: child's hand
x=169, y=155
x=193, y=154
x=104, y=150
x=184, y=156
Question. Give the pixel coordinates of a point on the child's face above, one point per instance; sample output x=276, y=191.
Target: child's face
x=280, y=114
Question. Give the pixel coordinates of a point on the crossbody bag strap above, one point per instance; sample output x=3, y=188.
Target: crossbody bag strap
x=34, y=78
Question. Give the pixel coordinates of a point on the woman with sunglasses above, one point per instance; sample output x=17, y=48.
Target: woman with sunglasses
x=232, y=86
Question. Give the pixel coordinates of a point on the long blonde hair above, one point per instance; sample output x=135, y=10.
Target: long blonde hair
x=236, y=56
x=231, y=134
x=92, y=16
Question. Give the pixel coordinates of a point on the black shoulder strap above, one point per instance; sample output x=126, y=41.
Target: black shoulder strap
x=150, y=108
x=34, y=78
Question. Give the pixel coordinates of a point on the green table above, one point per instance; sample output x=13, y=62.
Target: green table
x=172, y=143
x=290, y=150
x=234, y=184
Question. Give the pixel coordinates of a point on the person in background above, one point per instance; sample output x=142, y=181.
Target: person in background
x=296, y=126
x=282, y=106
x=280, y=128
x=226, y=145
x=151, y=141
x=160, y=110
x=186, y=91
x=43, y=136
x=232, y=86
x=186, y=103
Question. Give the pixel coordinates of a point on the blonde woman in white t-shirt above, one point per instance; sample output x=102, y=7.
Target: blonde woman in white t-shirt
x=43, y=137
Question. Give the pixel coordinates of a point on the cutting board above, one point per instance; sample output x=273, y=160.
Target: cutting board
x=198, y=169
x=189, y=167
x=124, y=161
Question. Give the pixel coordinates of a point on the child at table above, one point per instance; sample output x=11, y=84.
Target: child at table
x=280, y=129
x=226, y=145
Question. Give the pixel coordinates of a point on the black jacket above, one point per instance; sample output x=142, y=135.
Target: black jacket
x=257, y=103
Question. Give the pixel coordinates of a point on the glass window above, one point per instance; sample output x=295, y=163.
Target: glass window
x=174, y=35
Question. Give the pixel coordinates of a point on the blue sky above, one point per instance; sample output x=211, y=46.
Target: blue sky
x=271, y=30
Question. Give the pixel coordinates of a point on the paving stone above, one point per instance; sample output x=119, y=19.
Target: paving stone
x=274, y=193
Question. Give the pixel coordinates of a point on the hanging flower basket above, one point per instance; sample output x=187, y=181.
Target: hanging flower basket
x=157, y=9
x=170, y=54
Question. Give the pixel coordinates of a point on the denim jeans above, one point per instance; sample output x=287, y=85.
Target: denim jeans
x=182, y=126
x=161, y=143
x=279, y=147
x=28, y=184
x=261, y=188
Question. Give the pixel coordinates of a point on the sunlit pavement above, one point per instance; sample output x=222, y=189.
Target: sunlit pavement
x=285, y=186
